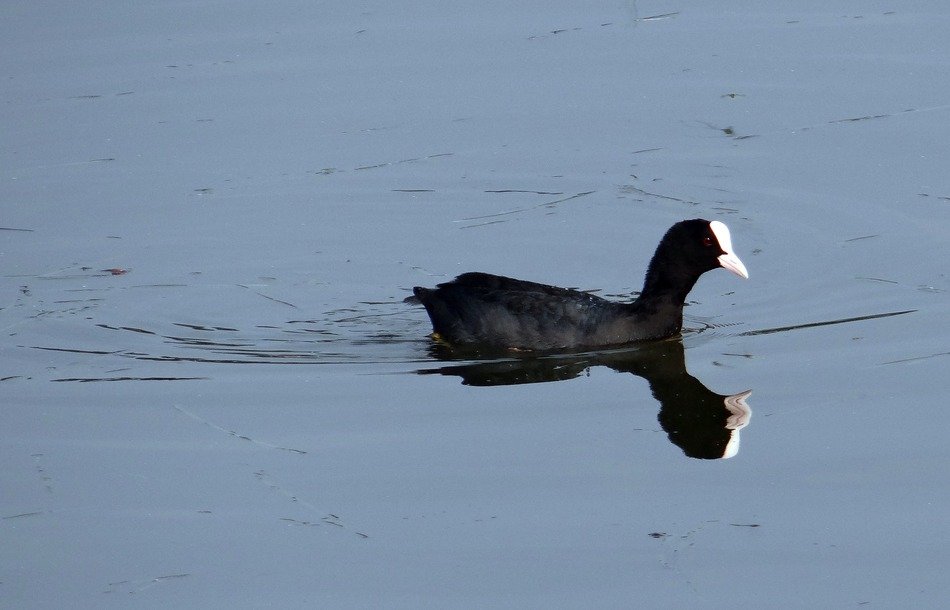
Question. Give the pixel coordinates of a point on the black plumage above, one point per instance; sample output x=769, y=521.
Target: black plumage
x=501, y=312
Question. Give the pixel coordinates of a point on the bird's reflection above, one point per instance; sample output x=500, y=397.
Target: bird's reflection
x=703, y=424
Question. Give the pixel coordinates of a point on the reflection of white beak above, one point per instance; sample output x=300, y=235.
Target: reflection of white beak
x=727, y=260
x=739, y=411
x=739, y=415
x=730, y=261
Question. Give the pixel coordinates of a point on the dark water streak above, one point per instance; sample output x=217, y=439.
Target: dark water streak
x=782, y=329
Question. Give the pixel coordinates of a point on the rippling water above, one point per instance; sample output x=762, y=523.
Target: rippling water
x=213, y=393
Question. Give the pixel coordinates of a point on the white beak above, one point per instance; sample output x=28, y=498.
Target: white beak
x=731, y=262
x=727, y=260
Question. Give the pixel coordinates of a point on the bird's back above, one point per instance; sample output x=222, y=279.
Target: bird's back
x=497, y=311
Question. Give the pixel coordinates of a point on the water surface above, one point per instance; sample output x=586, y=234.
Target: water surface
x=212, y=392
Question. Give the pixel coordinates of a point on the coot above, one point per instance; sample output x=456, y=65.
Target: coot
x=480, y=309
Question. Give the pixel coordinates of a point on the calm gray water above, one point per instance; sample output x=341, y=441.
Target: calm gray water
x=210, y=388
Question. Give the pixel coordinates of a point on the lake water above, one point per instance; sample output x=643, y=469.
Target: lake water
x=213, y=395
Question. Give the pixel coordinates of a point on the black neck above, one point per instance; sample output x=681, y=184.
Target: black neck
x=668, y=279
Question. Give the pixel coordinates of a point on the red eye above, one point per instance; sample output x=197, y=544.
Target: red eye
x=707, y=241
